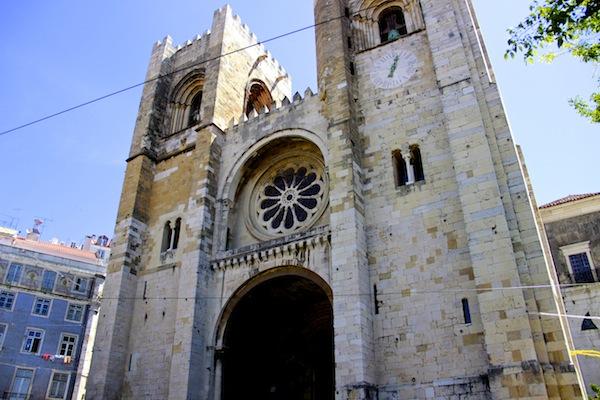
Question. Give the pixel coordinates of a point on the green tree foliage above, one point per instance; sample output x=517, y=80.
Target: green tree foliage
x=555, y=26
x=596, y=390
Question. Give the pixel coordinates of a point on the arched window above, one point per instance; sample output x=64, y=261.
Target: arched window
x=257, y=98
x=194, y=112
x=166, y=239
x=170, y=239
x=186, y=102
x=392, y=24
x=400, y=173
x=176, y=233
x=416, y=163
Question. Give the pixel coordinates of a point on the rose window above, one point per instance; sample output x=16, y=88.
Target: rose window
x=289, y=197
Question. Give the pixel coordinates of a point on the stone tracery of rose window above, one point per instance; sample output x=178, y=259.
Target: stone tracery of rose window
x=289, y=196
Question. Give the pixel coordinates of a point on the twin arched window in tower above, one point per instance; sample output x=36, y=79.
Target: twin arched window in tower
x=186, y=103
x=392, y=24
x=384, y=21
x=408, y=167
x=170, y=239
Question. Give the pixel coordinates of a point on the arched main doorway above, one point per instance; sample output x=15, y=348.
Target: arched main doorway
x=278, y=343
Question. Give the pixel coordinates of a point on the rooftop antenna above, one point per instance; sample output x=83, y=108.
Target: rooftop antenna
x=9, y=221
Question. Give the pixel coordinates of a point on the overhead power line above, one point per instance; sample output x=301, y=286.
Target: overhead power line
x=569, y=316
x=587, y=353
x=111, y=94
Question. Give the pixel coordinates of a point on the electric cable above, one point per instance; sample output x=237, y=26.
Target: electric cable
x=594, y=318
x=161, y=76
x=408, y=291
x=587, y=353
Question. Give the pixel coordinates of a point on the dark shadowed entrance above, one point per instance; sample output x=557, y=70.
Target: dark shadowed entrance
x=278, y=343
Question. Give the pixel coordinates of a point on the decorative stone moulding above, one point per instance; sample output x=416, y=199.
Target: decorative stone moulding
x=290, y=195
x=289, y=252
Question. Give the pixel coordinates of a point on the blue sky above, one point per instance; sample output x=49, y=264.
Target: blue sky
x=69, y=170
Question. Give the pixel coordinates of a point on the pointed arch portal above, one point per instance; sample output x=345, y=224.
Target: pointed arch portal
x=278, y=342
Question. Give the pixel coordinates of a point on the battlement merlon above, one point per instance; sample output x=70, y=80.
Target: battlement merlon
x=230, y=57
x=222, y=17
x=297, y=104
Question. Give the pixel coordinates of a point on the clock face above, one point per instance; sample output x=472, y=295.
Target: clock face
x=393, y=69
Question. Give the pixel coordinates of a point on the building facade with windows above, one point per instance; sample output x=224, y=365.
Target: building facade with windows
x=373, y=241
x=572, y=226
x=48, y=305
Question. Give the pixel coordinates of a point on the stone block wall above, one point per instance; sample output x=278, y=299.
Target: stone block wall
x=400, y=261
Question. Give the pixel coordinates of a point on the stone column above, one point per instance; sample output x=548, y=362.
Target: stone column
x=410, y=170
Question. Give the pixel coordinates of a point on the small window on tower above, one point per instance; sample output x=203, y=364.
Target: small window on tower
x=176, y=233
x=257, y=98
x=466, y=311
x=416, y=163
x=170, y=238
x=400, y=174
x=167, y=235
x=392, y=24
x=194, y=113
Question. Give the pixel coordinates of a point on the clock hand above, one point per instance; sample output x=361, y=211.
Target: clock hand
x=394, y=66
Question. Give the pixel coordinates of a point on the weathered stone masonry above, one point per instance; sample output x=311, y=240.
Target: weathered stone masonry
x=397, y=263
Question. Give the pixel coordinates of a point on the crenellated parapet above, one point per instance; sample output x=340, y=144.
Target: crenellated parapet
x=297, y=103
x=253, y=39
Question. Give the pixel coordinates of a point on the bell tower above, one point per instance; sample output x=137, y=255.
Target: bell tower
x=428, y=192
x=355, y=375
x=153, y=332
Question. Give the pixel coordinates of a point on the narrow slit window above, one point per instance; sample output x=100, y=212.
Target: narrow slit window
x=176, y=232
x=466, y=311
x=417, y=163
x=400, y=174
x=166, y=240
x=392, y=24
x=228, y=239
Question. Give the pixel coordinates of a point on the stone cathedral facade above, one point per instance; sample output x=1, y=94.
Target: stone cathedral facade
x=374, y=240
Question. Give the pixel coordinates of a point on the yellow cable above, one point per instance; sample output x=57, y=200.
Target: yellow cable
x=587, y=353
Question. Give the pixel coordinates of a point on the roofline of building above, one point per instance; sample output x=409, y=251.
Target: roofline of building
x=570, y=209
x=82, y=266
